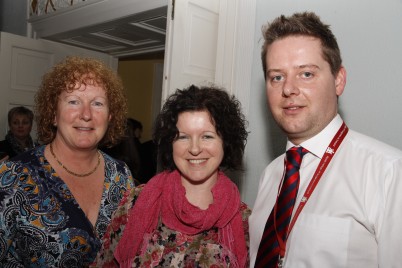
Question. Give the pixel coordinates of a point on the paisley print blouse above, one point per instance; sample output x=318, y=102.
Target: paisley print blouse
x=41, y=224
x=166, y=247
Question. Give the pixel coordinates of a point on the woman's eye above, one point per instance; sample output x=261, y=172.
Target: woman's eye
x=98, y=103
x=73, y=102
x=208, y=137
x=181, y=137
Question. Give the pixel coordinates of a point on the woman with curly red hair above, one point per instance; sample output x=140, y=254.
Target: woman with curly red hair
x=57, y=199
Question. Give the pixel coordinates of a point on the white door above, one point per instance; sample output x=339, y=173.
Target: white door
x=23, y=61
x=191, y=43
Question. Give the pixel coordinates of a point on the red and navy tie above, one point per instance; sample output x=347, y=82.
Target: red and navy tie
x=268, y=251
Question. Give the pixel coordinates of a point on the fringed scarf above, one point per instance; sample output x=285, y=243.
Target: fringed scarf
x=164, y=196
x=16, y=146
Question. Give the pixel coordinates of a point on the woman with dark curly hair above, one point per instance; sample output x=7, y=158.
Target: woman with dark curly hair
x=189, y=215
x=57, y=199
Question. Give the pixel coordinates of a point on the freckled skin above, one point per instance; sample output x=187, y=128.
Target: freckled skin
x=82, y=117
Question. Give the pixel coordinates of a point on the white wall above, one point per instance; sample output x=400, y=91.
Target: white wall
x=369, y=35
x=13, y=16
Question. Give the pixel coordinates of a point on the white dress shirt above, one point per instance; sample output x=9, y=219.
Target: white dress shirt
x=354, y=216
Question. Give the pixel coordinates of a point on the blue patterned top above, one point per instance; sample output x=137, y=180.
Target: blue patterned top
x=41, y=224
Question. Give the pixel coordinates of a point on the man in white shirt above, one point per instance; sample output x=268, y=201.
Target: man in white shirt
x=351, y=213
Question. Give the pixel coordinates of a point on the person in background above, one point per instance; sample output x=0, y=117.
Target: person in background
x=128, y=148
x=190, y=214
x=18, y=138
x=340, y=202
x=137, y=130
x=57, y=199
x=149, y=160
x=140, y=157
x=147, y=154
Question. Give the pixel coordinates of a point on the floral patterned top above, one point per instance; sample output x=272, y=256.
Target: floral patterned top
x=41, y=224
x=166, y=247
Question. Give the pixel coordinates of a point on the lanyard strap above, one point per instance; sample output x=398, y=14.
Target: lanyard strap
x=326, y=159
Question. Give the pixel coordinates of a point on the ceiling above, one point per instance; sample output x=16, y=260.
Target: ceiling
x=139, y=34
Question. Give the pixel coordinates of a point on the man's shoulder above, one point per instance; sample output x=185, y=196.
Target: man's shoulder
x=362, y=143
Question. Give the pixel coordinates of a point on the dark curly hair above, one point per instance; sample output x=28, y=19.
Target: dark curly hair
x=64, y=76
x=226, y=115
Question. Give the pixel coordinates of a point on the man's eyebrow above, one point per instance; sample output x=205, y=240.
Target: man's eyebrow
x=314, y=66
x=298, y=67
x=273, y=70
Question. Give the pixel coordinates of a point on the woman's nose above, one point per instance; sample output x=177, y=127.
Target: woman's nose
x=86, y=113
x=195, y=147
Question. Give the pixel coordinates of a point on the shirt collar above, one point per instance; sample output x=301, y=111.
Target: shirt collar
x=318, y=144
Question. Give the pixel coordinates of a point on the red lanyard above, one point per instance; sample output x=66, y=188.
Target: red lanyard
x=329, y=153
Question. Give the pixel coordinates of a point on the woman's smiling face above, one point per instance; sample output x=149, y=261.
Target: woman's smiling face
x=198, y=149
x=82, y=117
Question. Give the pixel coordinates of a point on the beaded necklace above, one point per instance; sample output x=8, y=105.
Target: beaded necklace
x=71, y=172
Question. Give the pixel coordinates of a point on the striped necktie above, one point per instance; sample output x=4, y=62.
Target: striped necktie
x=268, y=251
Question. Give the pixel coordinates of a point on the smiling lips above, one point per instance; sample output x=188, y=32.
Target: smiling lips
x=84, y=128
x=197, y=161
x=293, y=107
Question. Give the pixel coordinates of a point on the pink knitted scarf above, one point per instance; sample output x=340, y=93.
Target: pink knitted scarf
x=164, y=196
